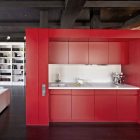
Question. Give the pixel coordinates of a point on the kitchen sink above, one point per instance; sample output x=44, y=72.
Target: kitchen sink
x=58, y=84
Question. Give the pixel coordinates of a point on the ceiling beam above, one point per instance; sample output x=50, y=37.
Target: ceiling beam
x=96, y=23
x=9, y=27
x=20, y=24
x=71, y=12
x=32, y=3
x=112, y=4
x=132, y=23
x=61, y=4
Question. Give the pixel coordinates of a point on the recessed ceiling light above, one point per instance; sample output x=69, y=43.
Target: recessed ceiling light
x=8, y=37
x=24, y=37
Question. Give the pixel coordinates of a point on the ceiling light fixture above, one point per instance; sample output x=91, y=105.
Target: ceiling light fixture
x=24, y=37
x=8, y=37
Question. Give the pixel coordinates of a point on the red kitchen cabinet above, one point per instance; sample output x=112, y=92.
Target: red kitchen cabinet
x=98, y=52
x=58, y=52
x=78, y=52
x=60, y=105
x=114, y=52
x=37, y=77
x=124, y=53
x=82, y=105
x=127, y=103
x=118, y=53
x=105, y=105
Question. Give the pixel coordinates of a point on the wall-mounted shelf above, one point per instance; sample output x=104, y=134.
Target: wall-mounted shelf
x=12, y=58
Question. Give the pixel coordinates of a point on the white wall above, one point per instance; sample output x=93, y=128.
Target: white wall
x=90, y=73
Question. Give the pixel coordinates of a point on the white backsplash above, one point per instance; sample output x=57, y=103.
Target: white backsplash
x=90, y=73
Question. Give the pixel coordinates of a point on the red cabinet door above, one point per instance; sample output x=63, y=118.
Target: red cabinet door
x=105, y=105
x=37, y=75
x=78, y=52
x=31, y=76
x=43, y=116
x=115, y=53
x=98, y=52
x=58, y=52
x=124, y=53
x=127, y=103
x=60, y=105
x=82, y=105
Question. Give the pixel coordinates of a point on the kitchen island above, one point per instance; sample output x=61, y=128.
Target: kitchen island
x=93, y=102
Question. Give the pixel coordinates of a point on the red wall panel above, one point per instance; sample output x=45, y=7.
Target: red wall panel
x=43, y=76
x=132, y=71
x=32, y=77
x=37, y=74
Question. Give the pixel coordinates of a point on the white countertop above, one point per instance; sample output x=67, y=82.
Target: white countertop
x=92, y=86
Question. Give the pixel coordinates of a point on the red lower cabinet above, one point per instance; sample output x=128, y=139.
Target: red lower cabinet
x=127, y=103
x=82, y=105
x=93, y=105
x=60, y=106
x=105, y=105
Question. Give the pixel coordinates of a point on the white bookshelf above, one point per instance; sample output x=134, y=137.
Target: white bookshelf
x=12, y=63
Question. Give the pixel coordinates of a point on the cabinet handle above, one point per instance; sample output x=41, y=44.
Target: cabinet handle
x=43, y=90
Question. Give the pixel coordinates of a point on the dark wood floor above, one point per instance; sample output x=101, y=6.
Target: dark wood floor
x=12, y=126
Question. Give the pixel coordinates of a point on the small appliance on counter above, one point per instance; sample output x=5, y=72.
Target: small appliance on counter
x=118, y=78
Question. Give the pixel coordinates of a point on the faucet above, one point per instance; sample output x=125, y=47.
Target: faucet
x=57, y=80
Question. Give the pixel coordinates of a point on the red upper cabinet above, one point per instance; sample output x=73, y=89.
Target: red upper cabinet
x=105, y=105
x=98, y=52
x=58, y=52
x=127, y=102
x=78, y=52
x=114, y=52
x=125, y=53
x=60, y=105
x=82, y=105
x=118, y=53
